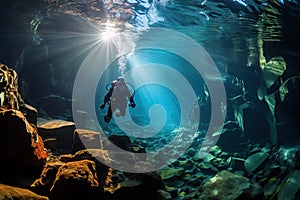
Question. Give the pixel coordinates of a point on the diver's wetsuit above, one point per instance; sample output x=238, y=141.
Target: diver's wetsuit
x=117, y=97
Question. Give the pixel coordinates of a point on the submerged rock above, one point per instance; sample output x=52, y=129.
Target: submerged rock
x=271, y=186
x=229, y=186
x=10, y=192
x=43, y=184
x=30, y=113
x=86, y=139
x=54, y=105
x=132, y=186
x=291, y=188
x=254, y=161
x=20, y=145
x=61, y=130
x=230, y=139
x=84, y=175
x=75, y=179
x=9, y=94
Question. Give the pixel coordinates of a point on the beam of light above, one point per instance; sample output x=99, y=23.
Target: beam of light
x=109, y=31
x=108, y=34
x=72, y=41
x=122, y=40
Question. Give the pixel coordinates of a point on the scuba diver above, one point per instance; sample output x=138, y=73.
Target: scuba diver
x=117, y=98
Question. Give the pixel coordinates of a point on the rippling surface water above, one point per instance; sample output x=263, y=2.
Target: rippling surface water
x=225, y=26
x=228, y=29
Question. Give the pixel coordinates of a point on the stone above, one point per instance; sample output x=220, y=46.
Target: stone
x=230, y=139
x=75, y=179
x=208, y=158
x=274, y=69
x=237, y=164
x=102, y=157
x=10, y=192
x=30, y=113
x=54, y=105
x=43, y=184
x=291, y=188
x=254, y=161
x=259, y=132
x=172, y=190
x=132, y=186
x=86, y=139
x=171, y=173
x=271, y=186
x=20, y=146
x=215, y=150
x=164, y=195
x=9, y=94
x=229, y=186
x=52, y=144
x=122, y=142
x=61, y=130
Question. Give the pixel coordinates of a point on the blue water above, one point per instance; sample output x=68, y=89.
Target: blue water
x=57, y=37
x=198, y=69
x=152, y=93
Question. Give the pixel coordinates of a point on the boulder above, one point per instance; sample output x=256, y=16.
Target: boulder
x=75, y=179
x=86, y=139
x=258, y=132
x=85, y=174
x=291, y=188
x=9, y=95
x=254, y=161
x=43, y=184
x=119, y=185
x=61, y=130
x=54, y=105
x=30, y=113
x=105, y=158
x=10, y=192
x=52, y=144
x=229, y=186
x=20, y=145
x=230, y=139
x=123, y=142
x=237, y=164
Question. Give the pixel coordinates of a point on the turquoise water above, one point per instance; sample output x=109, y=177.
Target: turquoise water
x=48, y=43
x=220, y=74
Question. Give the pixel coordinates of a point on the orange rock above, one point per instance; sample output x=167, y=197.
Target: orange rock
x=61, y=130
x=20, y=143
x=76, y=179
x=10, y=192
x=86, y=139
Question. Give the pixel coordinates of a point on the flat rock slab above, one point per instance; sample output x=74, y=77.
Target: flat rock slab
x=86, y=139
x=55, y=124
x=254, y=161
x=10, y=192
x=226, y=185
x=61, y=130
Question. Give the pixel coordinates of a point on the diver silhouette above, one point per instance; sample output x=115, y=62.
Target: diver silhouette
x=117, y=98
